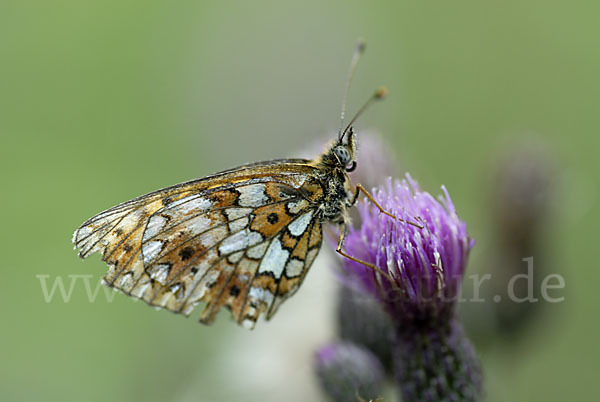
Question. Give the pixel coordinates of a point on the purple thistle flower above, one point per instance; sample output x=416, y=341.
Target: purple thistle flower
x=424, y=266
x=433, y=360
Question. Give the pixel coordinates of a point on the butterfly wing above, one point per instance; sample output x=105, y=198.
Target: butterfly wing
x=243, y=239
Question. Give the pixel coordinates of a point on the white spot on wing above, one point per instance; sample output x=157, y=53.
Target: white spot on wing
x=235, y=257
x=199, y=224
x=140, y=289
x=151, y=250
x=212, y=237
x=234, y=213
x=275, y=258
x=252, y=195
x=159, y=273
x=298, y=181
x=200, y=289
x=248, y=324
x=155, y=225
x=125, y=281
x=203, y=265
x=297, y=206
x=258, y=251
x=299, y=225
x=261, y=295
x=82, y=233
x=192, y=203
x=131, y=221
x=111, y=271
x=239, y=241
x=294, y=267
x=238, y=224
x=175, y=287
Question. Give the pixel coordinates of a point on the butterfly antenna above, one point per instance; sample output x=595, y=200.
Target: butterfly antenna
x=359, y=50
x=380, y=93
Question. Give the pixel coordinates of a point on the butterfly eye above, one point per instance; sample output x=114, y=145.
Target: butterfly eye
x=342, y=154
x=352, y=167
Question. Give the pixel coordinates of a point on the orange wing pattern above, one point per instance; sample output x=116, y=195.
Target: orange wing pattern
x=243, y=239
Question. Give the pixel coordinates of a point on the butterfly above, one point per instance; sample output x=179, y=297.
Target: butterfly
x=243, y=239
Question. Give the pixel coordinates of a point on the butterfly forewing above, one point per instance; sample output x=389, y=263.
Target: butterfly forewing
x=243, y=239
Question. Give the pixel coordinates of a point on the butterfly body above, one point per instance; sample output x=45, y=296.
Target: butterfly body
x=243, y=239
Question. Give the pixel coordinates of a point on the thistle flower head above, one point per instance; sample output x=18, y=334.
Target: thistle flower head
x=424, y=265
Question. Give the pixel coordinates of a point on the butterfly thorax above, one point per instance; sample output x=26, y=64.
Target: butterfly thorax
x=338, y=194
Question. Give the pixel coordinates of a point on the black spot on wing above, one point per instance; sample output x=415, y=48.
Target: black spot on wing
x=273, y=218
x=234, y=291
x=186, y=253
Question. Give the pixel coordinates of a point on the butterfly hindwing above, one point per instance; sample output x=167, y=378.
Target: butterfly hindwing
x=278, y=268
x=243, y=239
x=303, y=247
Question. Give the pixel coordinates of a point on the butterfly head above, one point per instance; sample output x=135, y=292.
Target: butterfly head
x=343, y=153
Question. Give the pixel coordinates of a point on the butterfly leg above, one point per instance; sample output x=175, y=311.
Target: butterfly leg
x=339, y=250
x=359, y=188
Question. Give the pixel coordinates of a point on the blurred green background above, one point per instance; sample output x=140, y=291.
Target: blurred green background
x=101, y=101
